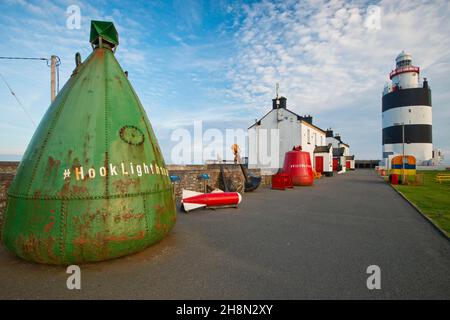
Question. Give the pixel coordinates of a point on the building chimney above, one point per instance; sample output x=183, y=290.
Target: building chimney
x=283, y=102
x=329, y=133
x=308, y=118
x=338, y=137
x=279, y=103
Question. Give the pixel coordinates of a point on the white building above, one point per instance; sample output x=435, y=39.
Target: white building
x=323, y=160
x=337, y=142
x=278, y=132
x=341, y=152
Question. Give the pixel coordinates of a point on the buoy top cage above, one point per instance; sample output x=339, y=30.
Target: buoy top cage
x=103, y=35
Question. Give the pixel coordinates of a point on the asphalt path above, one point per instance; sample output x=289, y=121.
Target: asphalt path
x=307, y=243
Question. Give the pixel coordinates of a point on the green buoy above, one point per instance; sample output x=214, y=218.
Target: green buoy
x=92, y=184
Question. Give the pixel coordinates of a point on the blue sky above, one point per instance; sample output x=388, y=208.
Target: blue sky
x=218, y=61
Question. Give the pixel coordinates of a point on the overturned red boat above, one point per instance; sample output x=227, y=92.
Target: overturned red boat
x=217, y=199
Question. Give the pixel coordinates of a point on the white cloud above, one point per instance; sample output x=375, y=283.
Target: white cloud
x=322, y=53
x=326, y=59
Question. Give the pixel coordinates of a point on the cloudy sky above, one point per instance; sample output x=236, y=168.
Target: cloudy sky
x=218, y=61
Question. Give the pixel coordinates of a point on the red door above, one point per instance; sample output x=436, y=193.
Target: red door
x=335, y=164
x=348, y=165
x=319, y=164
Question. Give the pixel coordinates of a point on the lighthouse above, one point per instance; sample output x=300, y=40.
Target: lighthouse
x=406, y=113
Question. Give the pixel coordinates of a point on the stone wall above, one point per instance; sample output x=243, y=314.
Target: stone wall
x=188, y=179
x=7, y=173
x=8, y=166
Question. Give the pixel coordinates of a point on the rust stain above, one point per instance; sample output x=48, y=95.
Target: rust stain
x=49, y=226
x=117, y=238
x=140, y=235
x=128, y=216
x=69, y=157
x=77, y=189
x=122, y=186
x=30, y=245
x=37, y=194
x=49, y=243
x=160, y=210
x=118, y=80
x=99, y=53
x=39, y=250
x=65, y=188
x=104, y=215
x=52, y=164
x=79, y=241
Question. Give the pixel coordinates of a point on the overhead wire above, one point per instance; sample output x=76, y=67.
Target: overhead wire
x=17, y=99
x=57, y=64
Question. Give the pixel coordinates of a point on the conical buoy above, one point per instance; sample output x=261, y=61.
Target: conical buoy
x=92, y=184
x=297, y=164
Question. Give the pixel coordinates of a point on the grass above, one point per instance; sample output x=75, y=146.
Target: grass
x=432, y=198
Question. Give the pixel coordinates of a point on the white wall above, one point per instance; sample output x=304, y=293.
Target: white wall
x=334, y=142
x=346, y=149
x=422, y=151
x=252, y=147
x=337, y=144
x=309, y=144
x=292, y=132
x=261, y=145
x=290, y=129
x=407, y=80
x=327, y=160
x=343, y=163
x=407, y=115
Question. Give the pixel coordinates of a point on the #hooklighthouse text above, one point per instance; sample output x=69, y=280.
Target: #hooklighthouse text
x=129, y=169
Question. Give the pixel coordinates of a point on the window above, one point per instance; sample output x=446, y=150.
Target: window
x=308, y=136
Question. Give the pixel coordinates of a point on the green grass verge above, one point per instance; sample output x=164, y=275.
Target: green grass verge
x=432, y=198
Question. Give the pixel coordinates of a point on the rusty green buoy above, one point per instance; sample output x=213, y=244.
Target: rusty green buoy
x=92, y=184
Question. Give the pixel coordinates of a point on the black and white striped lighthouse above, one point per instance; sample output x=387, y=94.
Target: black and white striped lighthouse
x=407, y=116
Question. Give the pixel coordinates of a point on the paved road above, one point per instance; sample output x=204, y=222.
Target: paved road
x=306, y=243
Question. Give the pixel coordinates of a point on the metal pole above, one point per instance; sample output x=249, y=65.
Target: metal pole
x=403, y=152
x=52, y=78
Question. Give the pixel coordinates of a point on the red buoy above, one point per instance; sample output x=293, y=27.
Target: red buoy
x=297, y=164
x=193, y=200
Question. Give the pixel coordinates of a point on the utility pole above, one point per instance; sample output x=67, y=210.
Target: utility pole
x=52, y=78
x=54, y=71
